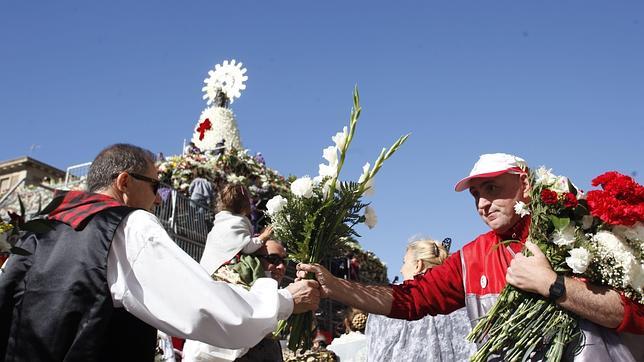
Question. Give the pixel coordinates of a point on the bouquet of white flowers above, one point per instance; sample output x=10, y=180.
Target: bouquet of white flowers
x=319, y=214
x=598, y=237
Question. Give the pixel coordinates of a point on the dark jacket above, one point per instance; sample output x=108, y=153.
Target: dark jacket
x=55, y=304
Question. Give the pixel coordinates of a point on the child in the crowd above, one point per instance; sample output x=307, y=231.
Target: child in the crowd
x=227, y=258
x=232, y=232
x=352, y=345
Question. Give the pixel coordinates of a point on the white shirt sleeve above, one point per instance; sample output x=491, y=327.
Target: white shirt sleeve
x=252, y=246
x=152, y=278
x=230, y=234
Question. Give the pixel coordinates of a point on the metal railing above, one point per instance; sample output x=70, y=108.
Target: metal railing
x=76, y=175
x=11, y=191
x=186, y=221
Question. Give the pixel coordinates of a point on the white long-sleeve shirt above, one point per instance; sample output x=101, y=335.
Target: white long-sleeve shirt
x=156, y=281
x=230, y=234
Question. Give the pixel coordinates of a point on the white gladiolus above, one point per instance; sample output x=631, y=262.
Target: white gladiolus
x=331, y=154
x=369, y=185
x=370, y=217
x=578, y=260
x=275, y=205
x=328, y=170
x=365, y=172
x=326, y=188
x=370, y=188
x=340, y=138
x=521, y=209
x=302, y=187
x=564, y=237
x=317, y=180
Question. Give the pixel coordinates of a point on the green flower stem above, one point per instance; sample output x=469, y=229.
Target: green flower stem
x=516, y=330
x=353, y=122
x=318, y=226
x=382, y=158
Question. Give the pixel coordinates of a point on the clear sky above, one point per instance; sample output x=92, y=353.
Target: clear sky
x=560, y=83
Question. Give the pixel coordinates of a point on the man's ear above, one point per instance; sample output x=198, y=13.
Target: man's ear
x=525, y=183
x=121, y=182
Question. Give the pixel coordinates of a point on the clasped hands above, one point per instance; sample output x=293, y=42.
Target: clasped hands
x=306, y=295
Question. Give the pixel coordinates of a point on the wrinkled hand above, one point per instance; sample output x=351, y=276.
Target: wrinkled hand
x=531, y=273
x=322, y=275
x=306, y=295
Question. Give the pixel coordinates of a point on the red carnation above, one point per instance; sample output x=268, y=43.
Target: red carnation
x=621, y=202
x=549, y=197
x=570, y=200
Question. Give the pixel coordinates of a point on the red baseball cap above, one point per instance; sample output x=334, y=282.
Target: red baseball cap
x=492, y=165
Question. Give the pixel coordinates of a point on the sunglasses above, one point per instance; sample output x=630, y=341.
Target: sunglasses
x=273, y=259
x=155, y=183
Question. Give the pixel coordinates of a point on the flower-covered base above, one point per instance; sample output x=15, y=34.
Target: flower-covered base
x=216, y=124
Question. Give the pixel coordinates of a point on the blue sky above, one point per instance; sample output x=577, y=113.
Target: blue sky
x=560, y=83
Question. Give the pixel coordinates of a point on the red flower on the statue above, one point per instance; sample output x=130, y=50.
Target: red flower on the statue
x=570, y=200
x=203, y=127
x=549, y=197
x=621, y=202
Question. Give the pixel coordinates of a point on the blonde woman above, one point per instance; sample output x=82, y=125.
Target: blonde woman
x=439, y=338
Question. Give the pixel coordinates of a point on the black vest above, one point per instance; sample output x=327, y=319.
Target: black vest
x=55, y=304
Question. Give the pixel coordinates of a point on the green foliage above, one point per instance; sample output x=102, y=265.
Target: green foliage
x=317, y=227
x=249, y=269
x=19, y=227
x=559, y=223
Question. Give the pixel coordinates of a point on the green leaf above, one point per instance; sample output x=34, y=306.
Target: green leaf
x=22, y=207
x=249, y=269
x=559, y=223
x=581, y=210
x=19, y=251
x=53, y=204
x=572, y=188
x=37, y=226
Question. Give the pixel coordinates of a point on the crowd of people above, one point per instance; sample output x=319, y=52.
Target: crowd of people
x=106, y=277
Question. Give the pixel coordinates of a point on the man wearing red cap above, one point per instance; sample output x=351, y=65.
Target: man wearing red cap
x=475, y=276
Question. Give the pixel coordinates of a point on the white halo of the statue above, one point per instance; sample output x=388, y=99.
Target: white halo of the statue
x=228, y=77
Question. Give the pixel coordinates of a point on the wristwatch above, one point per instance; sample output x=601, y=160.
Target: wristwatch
x=557, y=289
